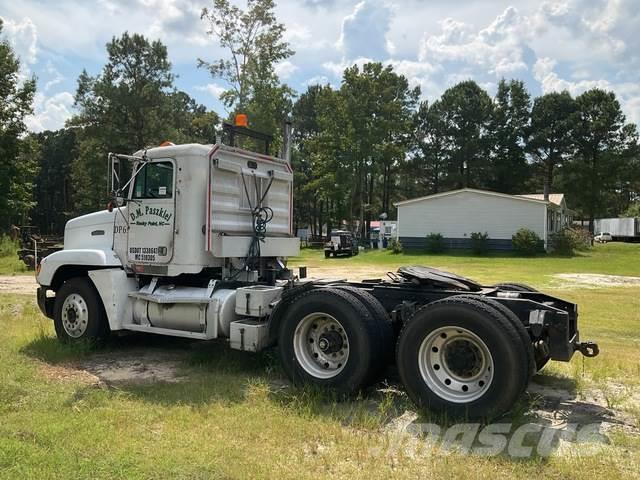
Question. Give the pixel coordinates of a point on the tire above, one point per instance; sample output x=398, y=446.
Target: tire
x=327, y=254
x=353, y=367
x=527, y=345
x=385, y=328
x=484, y=386
x=78, y=313
x=515, y=287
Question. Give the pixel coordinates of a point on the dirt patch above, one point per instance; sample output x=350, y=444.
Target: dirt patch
x=22, y=284
x=68, y=373
x=594, y=280
x=557, y=406
x=133, y=366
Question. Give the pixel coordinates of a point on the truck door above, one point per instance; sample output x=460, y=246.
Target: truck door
x=151, y=212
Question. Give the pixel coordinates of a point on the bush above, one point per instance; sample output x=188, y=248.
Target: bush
x=479, y=243
x=8, y=247
x=581, y=238
x=395, y=245
x=435, y=243
x=566, y=241
x=526, y=242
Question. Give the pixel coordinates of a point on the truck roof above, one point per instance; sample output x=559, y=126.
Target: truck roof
x=199, y=149
x=172, y=150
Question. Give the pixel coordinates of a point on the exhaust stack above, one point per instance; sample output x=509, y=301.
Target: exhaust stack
x=286, y=141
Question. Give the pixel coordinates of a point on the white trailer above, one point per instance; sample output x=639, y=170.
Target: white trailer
x=620, y=229
x=195, y=245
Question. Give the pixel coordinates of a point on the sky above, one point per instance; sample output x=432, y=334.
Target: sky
x=551, y=45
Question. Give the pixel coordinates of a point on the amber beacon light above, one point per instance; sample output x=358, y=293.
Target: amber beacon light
x=242, y=120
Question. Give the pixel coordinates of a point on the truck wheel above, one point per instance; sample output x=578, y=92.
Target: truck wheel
x=461, y=356
x=327, y=254
x=385, y=328
x=78, y=312
x=515, y=287
x=527, y=345
x=329, y=338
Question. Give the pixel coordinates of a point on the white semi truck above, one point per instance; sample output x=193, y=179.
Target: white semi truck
x=195, y=246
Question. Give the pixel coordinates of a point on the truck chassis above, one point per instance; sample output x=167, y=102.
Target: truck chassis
x=459, y=347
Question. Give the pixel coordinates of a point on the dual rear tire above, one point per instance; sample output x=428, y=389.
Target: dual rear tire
x=336, y=338
x=462, y=356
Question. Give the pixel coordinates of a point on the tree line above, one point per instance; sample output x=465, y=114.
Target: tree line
x=357, y=148
x=371, y=141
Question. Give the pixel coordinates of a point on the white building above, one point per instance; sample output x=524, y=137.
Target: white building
x=458, y=213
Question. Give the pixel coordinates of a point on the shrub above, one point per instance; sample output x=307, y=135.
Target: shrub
x=8, y=247
x=395, y=245
x=479, y=243
x=581, y=238
x=526, y=242
x=435, y=243
x=567, y=240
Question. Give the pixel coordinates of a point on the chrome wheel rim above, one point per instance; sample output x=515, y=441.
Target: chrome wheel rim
x=75, y=315
x=321, y=345
x=456, y=364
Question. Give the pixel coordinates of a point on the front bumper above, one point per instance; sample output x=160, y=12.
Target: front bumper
x=45, y=303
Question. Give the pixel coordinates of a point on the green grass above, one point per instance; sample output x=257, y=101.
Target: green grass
x=234, y=415
x=611, y=258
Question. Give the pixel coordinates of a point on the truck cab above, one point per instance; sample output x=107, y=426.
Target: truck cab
x=191, y=218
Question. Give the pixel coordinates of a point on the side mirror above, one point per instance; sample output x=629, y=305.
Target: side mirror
x=121, y=201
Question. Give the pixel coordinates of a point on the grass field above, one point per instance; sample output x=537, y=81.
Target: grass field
x=226, y=414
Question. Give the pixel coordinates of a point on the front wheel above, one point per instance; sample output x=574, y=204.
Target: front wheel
x=462, y=357
x=78, y=312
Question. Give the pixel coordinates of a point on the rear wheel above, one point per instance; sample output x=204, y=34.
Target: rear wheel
x=78, y=312
x=527, y=345
x=329, y=338
x=327, y=254
x=461, y=356
x=385, y=328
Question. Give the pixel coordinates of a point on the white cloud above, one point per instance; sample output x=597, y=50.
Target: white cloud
x=364, y=31
x=23, y=37
x=212, y=88
x=55, y=77
x=285, y=69
x=628, y=93
x=50, y=113
x=498, y=49
x=317, y=80
x=604, y=30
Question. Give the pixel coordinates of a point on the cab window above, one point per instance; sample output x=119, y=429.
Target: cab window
x=154, y=181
